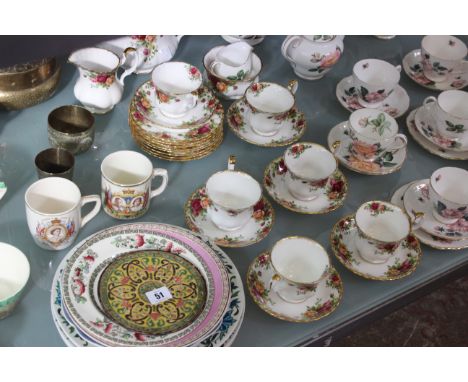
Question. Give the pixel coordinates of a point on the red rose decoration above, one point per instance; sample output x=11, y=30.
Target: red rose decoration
x=89, y=258
x=108, y=328
x=139, y=336
x=101, y=78
x=139, y=240
x=196, y=207
x=203, y=130
x=374, y=206
x=259, y=206
x=193, y=70
x=282, y=167
x=337, y=185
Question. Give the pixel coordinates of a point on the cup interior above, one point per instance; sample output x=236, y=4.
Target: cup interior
x=71, y=119
x=383, y=221
x=14, y=271
x=235, y=54
x=376, y=72
x=126, y=168
x=269, y=97
x=233, y=190
x=444, y=47
x=54, y=161
x=454, y=102
x=299, y=259
x=176, y=78
x=52, y=196
x=310, y=161
x=451, y=183
x=373, y=124
x=95, y=59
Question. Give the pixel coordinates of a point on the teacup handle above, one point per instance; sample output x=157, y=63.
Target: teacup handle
x=403, y=142
x=132, y=68
x=165, y=178
x=429, y=99
x=292, y=86
x=398, y=67
x=231, y=162
x=416, y=219
x=90, y=199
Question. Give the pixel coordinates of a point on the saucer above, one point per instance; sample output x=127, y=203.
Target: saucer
x=427, y=125
x=416, y=199
x=325, y=300
x=256, y=229
x=429, y=145
x=413, y=68
x=339, y=144
x=292, y=130
x=404, y=261
x=426, y=238
x=395, y=105
x=332, y=197
x=148, y=104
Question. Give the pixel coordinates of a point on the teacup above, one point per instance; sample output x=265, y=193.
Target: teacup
x=233, y=61
x=381, y=227
x=442, y=55
x=309, y=168
x=14, y=275
x=374, y=81
x=373, y=133
x=448, y=193
x=232, y=195
x=451, y=114
x=300, y=264
x=53, y=211
x=177, y=85
x=126, y=184
x=269, y=105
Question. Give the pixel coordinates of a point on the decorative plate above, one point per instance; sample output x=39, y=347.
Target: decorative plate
x=401, y=264
x=326, y=299
x=109, y=243
x=339, y=144
x=424, y=237
x=292, y=130
x=332, y=197
x=412, y=65
x=256, y=229
x=396, y=103
x=428, y=145
x=125, y=282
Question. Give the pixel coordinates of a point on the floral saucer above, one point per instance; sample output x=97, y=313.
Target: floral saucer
x=332, y=197
x=326, y=299
x=404, y=261
x=413, y=68
x=396, y=103
x=424, y=237
x=293, y=129
x=426, y=124
x=427, y=144
x=416, y=199
x=256, y=229
x=339, y=144
x=147, y=103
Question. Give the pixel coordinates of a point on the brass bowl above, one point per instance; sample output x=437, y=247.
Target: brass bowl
x=28, y=84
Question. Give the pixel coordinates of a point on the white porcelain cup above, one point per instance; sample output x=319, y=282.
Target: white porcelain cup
x=53, y=211
x=373, y=133
x=374, y=81
x=269, y=105
x=448, y=193
x=177, y=85
x=233, y=61
x=233, y=194
x=14, y=275
x=300, y=264
x=442, y=55
x=309, y=169
x=126, y=184
x=451, y=114
x=381, y=227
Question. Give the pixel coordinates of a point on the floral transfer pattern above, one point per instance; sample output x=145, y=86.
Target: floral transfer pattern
x=434, y=136
x=323, y=62
x=376, y=208
x=417, y=74
x=378, y=125
x=147, y=45
x=79, y=272
x=99, y=80
x=351, y=99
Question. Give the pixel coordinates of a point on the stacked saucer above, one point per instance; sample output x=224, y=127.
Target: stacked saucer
x=147, y=284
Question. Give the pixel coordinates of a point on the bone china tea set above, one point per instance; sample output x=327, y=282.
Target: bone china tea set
x=155, y=284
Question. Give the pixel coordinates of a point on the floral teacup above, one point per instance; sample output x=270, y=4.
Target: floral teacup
x=448, y=192
x=373, y=132
x=442, y=55
x=381, y=227
x=309, y=169
x=232, y=194
x=176, y=85
x=374, y=80
x=233, y=61
x=300, y=264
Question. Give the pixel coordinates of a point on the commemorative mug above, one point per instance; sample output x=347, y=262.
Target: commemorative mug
x=126, y=184
x=53, y=211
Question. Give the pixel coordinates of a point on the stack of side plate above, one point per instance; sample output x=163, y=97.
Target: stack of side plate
x=99, y=290
x=193, y=136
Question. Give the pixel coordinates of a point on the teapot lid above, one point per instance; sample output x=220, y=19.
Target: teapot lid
x=320, y=37
x=235, y=54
